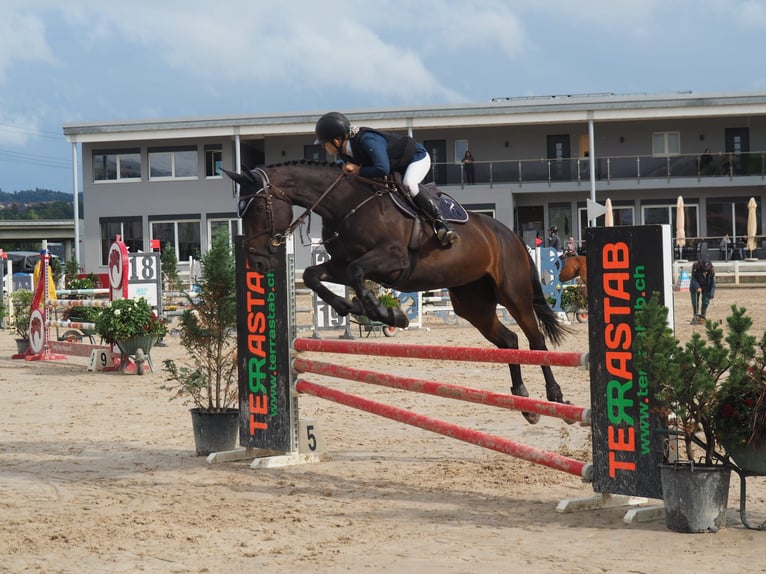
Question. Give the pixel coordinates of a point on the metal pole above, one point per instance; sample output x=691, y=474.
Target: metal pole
x=76, y=204
x=237, y=161
x=592, y=160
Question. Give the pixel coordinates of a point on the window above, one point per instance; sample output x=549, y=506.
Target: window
x=230, y=224
x=213, y=160
x=666, y=143
x=460, y=148
x=128, y=228
x=622, y=215
x=175, y=163
x=659, y=214
x=117, y=165
x=184, y=235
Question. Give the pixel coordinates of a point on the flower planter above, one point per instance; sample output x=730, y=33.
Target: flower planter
x=695, y=496
x=130, y=347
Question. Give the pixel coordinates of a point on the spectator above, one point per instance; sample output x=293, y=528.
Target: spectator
x=468, y=167
x=724, y=248
x=705, y=160
x=538, y=239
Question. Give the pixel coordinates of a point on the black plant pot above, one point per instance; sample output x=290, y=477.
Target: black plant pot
x=22, y=345
x=215, y=432
x=695, y=496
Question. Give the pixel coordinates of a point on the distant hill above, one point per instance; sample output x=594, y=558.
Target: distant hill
x=33, y=195
x=37, y=204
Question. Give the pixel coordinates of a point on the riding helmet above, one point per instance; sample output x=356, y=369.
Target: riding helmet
x=554, y=228
x=332, y=125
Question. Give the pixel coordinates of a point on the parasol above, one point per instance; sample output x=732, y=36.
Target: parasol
x=609, y=215
x=752, y=225
x=680, y=225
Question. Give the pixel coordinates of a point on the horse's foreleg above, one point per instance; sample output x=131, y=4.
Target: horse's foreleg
x=313, y=277
x=357, y=272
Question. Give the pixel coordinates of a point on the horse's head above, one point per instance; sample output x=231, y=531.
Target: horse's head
x=266, y=214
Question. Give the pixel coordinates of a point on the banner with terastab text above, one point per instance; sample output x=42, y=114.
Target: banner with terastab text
x=625, y=266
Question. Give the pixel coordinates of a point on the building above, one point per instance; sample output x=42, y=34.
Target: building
x=538, y=161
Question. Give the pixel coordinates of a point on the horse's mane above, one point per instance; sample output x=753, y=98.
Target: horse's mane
x=306, y=162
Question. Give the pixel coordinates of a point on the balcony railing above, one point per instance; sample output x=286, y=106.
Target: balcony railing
x=613, y=168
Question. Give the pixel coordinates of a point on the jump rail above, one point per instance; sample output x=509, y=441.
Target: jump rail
x=446, y=390
x=483, y=355
x=506, y=446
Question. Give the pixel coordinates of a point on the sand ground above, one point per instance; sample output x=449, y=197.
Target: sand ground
x=98, y=474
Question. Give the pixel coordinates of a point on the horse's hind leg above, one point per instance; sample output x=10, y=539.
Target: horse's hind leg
x=527, y=320
x=476, y=303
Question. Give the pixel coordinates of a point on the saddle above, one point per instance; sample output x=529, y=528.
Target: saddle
x=450, y=209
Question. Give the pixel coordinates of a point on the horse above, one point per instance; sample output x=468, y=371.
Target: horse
x=574, y=266
x=368, y=237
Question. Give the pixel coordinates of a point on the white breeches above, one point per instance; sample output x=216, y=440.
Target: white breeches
x=416, y=172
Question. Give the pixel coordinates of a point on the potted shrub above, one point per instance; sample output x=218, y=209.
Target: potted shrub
x=683, y=380
x=21, y=299
x=131, y=324
x=739, y=415
x=208, y=332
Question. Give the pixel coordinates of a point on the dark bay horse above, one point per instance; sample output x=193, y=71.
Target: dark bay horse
x=368, y=237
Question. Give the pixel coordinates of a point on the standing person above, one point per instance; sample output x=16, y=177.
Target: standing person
x=369, y=153
x=701, y=288
x=468, y=167
x=724, y=248
x=538, y=239
x=554, y=241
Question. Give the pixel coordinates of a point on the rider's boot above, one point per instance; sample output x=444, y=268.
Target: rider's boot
x=429, y=206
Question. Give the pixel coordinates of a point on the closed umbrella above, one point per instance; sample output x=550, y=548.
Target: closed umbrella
x=680, y=226
x=609, y=215
x=752, y=225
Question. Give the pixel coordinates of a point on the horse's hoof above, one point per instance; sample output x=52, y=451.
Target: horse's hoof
x=400, y=319
x=532, y=418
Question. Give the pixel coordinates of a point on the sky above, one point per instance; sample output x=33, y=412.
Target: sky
x=96, y=60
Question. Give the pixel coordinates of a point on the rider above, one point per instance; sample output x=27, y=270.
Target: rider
x=370, y=153
x=554, y=241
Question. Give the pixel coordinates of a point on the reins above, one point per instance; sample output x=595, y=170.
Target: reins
x=301, y=218
x=268, y=190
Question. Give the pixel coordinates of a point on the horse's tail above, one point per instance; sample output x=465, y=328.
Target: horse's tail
x=551, y=326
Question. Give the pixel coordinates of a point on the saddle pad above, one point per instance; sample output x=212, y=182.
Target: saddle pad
x=451, y=210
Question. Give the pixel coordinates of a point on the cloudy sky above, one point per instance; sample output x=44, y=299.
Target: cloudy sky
x=94, y=60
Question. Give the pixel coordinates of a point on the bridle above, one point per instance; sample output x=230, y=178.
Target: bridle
x=268, y=192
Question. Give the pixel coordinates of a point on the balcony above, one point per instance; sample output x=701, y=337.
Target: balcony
x=724, y=166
